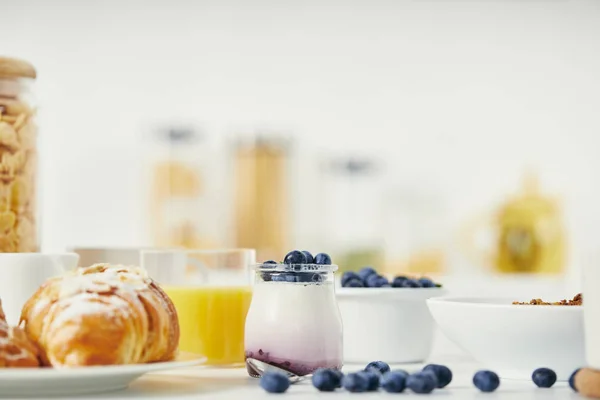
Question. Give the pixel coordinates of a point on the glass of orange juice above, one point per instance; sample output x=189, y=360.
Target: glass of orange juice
x=211, y=290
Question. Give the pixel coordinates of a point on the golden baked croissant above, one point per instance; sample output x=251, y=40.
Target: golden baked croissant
x=102, y=315
x=16, y=350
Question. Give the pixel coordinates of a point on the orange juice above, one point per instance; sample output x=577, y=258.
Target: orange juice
x=212, y=321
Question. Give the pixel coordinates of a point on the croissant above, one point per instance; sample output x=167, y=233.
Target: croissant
x=16, y=349
x=102, y=315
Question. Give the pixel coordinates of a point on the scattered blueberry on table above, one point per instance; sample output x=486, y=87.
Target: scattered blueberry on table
x=322, y=259
x=543, y=377
x=442, y=374
x=274, y=382
x=379, y=366
x=572, y=379
x=325, y=380
x=421, y=382
x=394, y=381
x=368, y=277
x=372, y=378
x=355, y=383
x=486, y=381
x=339, y=375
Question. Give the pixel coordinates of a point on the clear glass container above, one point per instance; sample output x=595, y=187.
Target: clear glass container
x=179, y=199
x=19, y=213
x=211, y=290
x=352, y=209
x=261, y=205
x=293, y=323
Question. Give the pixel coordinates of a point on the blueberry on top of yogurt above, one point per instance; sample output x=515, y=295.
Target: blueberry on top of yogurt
x=323, y=259
x=309, y=257
x=295, y=257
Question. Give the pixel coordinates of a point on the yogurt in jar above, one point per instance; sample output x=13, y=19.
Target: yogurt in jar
x=294, y=322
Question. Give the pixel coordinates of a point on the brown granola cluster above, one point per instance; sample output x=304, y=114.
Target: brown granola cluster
x=576, y=301
x=18, y=157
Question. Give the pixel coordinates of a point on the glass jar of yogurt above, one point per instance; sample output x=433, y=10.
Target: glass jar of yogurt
x=293, y=322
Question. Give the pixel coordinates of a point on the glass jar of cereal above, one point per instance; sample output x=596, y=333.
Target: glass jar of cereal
x=18, y=158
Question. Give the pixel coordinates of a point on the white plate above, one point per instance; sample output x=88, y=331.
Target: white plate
x=513, y=340
x=25, y=382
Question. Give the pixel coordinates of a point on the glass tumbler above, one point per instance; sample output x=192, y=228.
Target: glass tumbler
x=211, y=291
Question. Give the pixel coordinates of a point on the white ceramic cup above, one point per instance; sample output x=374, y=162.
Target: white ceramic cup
x=591, y=309
x=21, y=274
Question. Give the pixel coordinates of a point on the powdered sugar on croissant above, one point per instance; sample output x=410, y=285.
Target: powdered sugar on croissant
x=102, y=315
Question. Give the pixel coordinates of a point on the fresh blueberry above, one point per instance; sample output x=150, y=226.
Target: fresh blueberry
x=421, y=382
x=543, y=377
x=366, y=272
x=572, y=379
x=270, y=262
x=274, y=382
x=377, y=281
x=394, y=381
x=442, y=373
x=323, y=259
x=378, y=366
x=372, y=378
x=355, y=383
x=325, y=380
x=398, y=281
x=295, y=257
x=426, y=282
x=355, y=283
x=486, y=381
x=411, y=283
x=433, y=376
x=349, y=275
x=309, y=257
x=339, y=375
x=284, y=277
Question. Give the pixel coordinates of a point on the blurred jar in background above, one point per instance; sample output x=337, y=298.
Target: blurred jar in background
x=415, y=233
x=527, y=230
x=352, y=212
x=261, y=204
x=179, y=209
x=19, y=219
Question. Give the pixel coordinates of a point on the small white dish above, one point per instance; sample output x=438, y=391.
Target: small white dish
x=45, y=382
x=388, y=324
x=513, y=340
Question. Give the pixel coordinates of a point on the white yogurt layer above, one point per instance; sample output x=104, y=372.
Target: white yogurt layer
x=298, y=322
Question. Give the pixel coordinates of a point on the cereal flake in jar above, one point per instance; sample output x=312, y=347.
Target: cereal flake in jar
x=18, y=158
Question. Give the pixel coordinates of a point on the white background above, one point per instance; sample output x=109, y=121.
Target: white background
x=457, y=97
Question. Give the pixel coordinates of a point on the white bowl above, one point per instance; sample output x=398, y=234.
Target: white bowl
x=388, y=324
x=513, y=340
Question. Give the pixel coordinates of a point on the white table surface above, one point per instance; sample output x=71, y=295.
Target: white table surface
x=234, y=384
